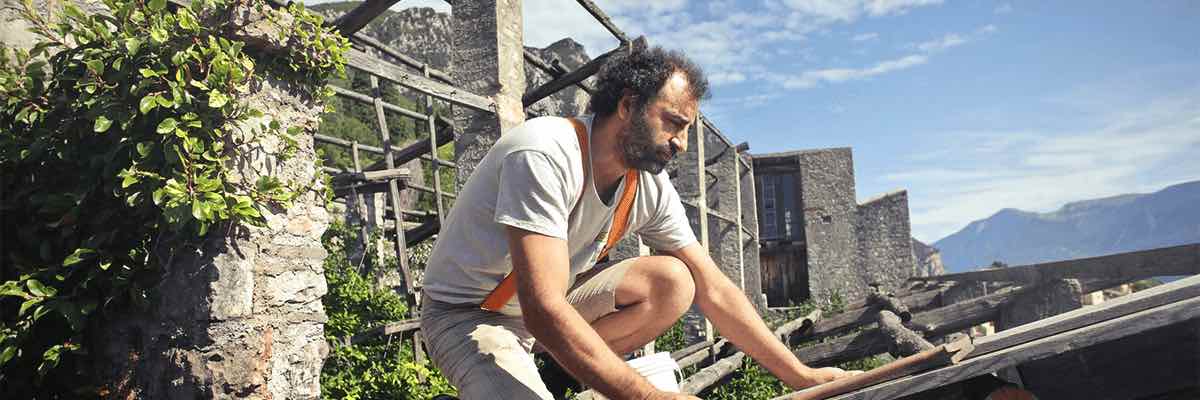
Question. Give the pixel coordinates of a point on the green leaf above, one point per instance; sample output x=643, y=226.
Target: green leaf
x=133, y=45
x=158, y=35
x=12, y=289
x=77, y=256
x=8, y=354
x=144, y=148
x=197, y=210
x=130, y=180
x=28, y=304
x=38, y=289
x=166, y=126
x=147, y=104
x=95, y=66
x=217, y=99
x=157, y=5
x=102, y=124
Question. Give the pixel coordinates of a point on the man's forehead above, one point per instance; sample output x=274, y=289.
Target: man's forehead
x=675, y=97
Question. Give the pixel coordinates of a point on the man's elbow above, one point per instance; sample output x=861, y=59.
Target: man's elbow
x=539, y=314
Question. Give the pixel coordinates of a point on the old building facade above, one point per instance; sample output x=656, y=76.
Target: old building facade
x=817, y=241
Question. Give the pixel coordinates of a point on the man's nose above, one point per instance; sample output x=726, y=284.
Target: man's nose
x=679, y=143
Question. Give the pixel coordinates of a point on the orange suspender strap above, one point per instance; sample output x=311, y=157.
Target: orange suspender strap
x=508, y=286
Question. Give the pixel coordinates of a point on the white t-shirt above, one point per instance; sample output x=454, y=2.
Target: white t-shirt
x=532, y=179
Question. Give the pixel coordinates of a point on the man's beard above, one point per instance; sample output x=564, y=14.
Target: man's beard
x=639, y=148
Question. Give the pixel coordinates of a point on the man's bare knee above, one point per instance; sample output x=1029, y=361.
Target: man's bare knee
x=673, y=281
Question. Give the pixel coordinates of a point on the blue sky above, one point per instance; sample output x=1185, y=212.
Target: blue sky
x=972, y=106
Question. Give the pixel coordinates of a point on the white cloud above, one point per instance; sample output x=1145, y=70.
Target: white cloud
x=943, y=43
x=862, y=37
x=989, y=28
x=850, y=10
x=1003, y=8
x=1134, y=151
x=813, y=78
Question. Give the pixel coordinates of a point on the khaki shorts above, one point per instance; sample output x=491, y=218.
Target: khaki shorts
x=487, y=355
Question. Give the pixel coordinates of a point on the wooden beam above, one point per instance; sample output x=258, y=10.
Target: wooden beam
x=706, y=353
x=1154, y=297
x=795, y=328
x=905, y=342
x=360, y=16
x=959, y=316
x=604, y=20
x=573, y=77
x=712, y=374
x=373, y=65
x=846, y=348
x=946, y=354
x=890, y=303
x=387, y=329
x=1166, y=261
x=1043, y=347
x=412, y=62
x=689, y=350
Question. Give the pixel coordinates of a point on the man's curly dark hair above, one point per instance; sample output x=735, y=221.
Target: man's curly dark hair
x=643, y=71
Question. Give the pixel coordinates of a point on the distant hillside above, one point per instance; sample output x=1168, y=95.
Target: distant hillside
x=1081, y=229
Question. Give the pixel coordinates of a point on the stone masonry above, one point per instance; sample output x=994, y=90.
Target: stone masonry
x=237, y=314
x=843, y=247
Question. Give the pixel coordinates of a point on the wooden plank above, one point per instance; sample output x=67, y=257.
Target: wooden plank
x=412, y=62
x=689, y=350
x=711, y=374
x=959, y=316
x=1121, y=306
x=399, y=243
x=435, y=168
x=1043, y=347
x=846, y=348
x=1166, y=261
x=350, y=94
x=387, y=329
x=702, y=201
x=706, y=353
x=554, y=72
x=946, y=354
x=842, y=323
x=360, y=16
x=376, y=67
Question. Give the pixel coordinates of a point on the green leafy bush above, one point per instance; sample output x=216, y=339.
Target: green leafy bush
x=116, y=135
x=381, y=367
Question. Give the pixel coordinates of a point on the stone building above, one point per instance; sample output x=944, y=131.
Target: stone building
x=816, y=241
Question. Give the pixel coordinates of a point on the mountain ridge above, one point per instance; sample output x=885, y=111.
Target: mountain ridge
x=1084, y=228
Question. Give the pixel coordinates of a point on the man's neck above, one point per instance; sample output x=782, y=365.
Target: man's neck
x=607, y=164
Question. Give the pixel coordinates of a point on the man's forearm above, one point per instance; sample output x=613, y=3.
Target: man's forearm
x=578, y=348
x=736, y=319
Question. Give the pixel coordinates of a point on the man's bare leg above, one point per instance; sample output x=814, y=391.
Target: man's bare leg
x=654, y=293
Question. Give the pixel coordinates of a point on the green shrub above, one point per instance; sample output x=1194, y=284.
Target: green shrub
x=381, y=367
x=116, y=134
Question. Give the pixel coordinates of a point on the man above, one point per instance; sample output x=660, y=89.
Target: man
x=535, y=217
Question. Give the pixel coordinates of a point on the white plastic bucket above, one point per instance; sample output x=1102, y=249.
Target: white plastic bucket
x=659, y=368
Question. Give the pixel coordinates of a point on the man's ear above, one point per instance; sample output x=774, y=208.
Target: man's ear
x=626, y=105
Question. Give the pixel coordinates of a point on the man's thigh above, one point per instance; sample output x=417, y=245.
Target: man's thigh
x=594, y=294
x=483, y=354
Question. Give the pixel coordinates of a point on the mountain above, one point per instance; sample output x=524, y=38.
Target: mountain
x=425, y=34
x=1086, y=228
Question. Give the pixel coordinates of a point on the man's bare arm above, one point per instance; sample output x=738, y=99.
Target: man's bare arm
x=736, y=319
x=540, y=267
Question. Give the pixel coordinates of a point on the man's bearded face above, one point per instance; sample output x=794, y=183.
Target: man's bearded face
x=639, y=148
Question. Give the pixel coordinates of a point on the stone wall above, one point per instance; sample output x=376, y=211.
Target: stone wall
x=885, y=241
x=826, y=190
x=239, y=313
x=928, y=259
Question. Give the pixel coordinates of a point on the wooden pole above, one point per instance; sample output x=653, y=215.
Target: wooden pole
x=433, y=152
x=947, y=354
x=702, y=204
x=394, y=199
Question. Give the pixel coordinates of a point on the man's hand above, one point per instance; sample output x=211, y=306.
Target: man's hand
x=817, y=376
x=660, y=395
